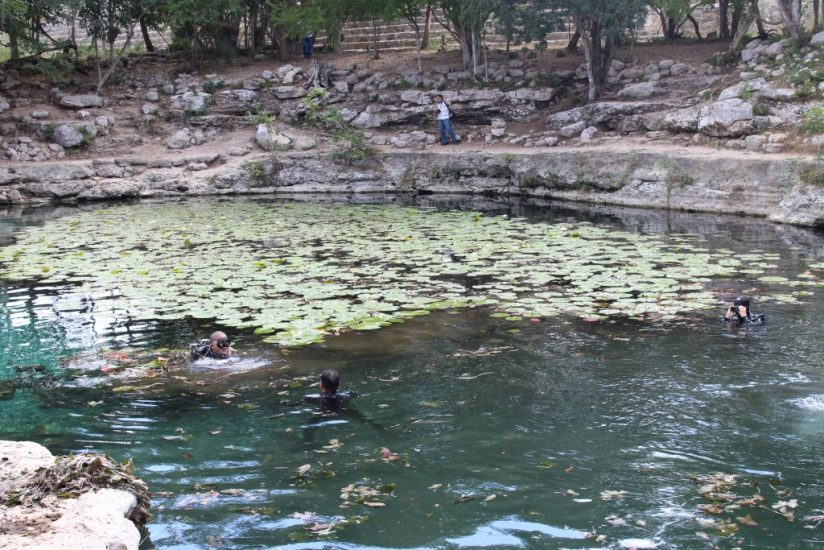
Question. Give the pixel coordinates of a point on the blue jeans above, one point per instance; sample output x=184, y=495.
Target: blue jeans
x=308, y=44
x=445, y=128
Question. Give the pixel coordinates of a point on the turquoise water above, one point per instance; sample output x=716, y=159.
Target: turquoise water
x=493, y=438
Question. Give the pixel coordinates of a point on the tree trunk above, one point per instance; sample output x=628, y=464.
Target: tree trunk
x=427, y=22
x=114, y=63
x=663, y=20
x=791, y=15
x=376, y=37
x=147, y=40
x=759, y=22
x=696, y=26
x=572, y=45
x=816, y=15
x=742, y=29
x=14, y=47
x=598, y=57
x=418, y=44
x=723, y=19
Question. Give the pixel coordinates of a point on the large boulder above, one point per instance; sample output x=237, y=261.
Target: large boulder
x=270, y=139
x=641, y=90
x=726, y=118
x=81, y=101
x=236, y=102
x=748, y=87
x=682, y=120
x=180, y=139
x=74, y=135
x=540, y=95
x=817, y=39
x=196, y=102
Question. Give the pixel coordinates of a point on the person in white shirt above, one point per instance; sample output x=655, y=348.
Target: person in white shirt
x=444, y=124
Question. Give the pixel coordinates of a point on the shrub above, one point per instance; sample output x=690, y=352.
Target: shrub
x=760, y=109
x=351, y=145
x=812, y=122
x=210, y=86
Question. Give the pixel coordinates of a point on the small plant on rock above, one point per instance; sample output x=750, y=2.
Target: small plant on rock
x=812, y=121
x=210, y=86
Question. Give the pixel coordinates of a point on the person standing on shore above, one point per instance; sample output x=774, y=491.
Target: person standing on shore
x=447, y=133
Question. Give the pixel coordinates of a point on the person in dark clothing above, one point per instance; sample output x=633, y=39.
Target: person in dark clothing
x=308, y=44
x=739, y=313
x=216, y=347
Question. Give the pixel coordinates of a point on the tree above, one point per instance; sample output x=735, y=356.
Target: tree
x=410, y=10
x=601, y=22
x=467, y=19
x=790, y=11
x=673, y=14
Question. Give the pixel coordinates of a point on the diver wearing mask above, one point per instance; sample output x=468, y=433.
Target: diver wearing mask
x=216, y=347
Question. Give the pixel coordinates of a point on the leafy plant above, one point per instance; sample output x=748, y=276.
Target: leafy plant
x=210, y=86
x=812, y=121
x=261, y=115
x=87, y=136
x=351, y=145
x=48, y=132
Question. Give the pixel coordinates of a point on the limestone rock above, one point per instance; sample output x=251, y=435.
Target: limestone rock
x=290, y=92
x=589, y=134
x=39, y=115
x=269, y=139
x=4, y=104
x=149, y=109
x=727, y=118
x=641, y=90
x=573, y=129
x=81, y=101
x=679, y=69
x=180, y=139
x=68, y=135
x=747, y=87
x=237, y=102
x=192, y=101
x=152, y=96
x=541, y=95
x=682, y=120
x=267, y=75
x=755, y=143
x=817, y=39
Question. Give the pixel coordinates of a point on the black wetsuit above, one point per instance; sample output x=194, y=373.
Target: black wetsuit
x=203, y=348
x=750, y=319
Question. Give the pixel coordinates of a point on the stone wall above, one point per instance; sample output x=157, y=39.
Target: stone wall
x=694, y=179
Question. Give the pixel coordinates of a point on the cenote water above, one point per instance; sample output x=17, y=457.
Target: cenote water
x=529, y=376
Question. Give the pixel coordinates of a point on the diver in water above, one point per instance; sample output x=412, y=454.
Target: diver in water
x=330, y=399
x=739, y=313
x=216, y=347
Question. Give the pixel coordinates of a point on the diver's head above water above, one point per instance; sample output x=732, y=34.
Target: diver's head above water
x=219, y=344
x=329, y=382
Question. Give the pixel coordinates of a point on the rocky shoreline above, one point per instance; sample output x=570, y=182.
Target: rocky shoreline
x=96, y=520
x=688, y=179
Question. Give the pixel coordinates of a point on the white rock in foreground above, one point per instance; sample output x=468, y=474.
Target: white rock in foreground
x=94, y=521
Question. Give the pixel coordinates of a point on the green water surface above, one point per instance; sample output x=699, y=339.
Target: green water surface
x=482, y=432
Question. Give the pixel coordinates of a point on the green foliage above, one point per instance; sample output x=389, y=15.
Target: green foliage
x=210, y=86
x=746, y=92
x=194, y=113
x=760, y=109
x=57, y=69
x=255, y=170
x=48, y=132
x=351, y=145
x=812, y=121
x=261, y=115
x=87, y=137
